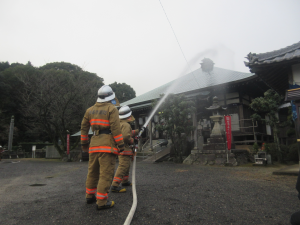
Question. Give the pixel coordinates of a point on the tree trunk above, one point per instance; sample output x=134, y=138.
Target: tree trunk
x=276, y=140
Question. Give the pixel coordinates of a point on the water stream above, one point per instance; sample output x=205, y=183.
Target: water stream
x=176, y=82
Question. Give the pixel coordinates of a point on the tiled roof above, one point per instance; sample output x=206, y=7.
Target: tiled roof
x=287, y=53
x=192, y=81
x=79, y=132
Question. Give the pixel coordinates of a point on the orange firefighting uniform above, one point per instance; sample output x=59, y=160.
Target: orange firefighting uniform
x=104, y=120
x=122, y=174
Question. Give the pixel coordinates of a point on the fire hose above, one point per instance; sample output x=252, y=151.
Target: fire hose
x=134, y=204
x=134, y=195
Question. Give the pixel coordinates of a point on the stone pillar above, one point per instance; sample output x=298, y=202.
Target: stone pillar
x=200, y=143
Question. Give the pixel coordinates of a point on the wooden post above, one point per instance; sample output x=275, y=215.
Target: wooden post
x=254, y=134
x=150, y=135
x=241, y=112
x=297, y=127
x=136, y=124
x=195, y=124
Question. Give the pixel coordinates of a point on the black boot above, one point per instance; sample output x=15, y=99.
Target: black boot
x=128, y=183
x=91, y=200
x=118, y=189
x=106, y=206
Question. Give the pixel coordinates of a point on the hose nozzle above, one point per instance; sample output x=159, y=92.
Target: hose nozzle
x=141, y=131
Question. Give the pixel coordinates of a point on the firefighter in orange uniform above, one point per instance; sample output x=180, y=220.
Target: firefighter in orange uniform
x=106, y=143
x=122, y=174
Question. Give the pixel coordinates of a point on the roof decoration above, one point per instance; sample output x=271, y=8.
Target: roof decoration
x=207, y=65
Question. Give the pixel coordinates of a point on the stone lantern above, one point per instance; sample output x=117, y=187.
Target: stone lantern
x=216, y=117
x=216, y=143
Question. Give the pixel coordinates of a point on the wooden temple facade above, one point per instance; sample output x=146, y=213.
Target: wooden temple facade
x=234, y=90
x=280, y=70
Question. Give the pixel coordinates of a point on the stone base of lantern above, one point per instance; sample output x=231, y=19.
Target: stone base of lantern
x=213, y=158
x=213, y=153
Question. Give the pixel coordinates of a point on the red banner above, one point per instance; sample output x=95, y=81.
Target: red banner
x=228, y=130
x=68, y=144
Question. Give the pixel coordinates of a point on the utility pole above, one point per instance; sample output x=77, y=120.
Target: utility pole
x=10, y=137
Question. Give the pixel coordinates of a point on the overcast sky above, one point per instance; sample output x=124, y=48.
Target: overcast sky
x=132, y=41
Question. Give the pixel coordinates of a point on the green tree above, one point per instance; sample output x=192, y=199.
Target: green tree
x=124, y=92
x=4, y=66
x=29, y=64
x=10, y=103
x=46, y=101
x=71, y=68
x=268, y=105
x=175, y=120
x=55, y=101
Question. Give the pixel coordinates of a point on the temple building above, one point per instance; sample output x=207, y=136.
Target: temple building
x=280, y=70
x=234, y=91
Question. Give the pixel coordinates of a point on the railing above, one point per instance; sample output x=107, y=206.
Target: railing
x=165, y=142
x=154, y=147
x=145, y=144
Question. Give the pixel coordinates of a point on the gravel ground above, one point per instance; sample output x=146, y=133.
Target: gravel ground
x=167, y=194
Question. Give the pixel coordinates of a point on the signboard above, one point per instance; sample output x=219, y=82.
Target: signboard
x=68, y=144
x=228, y=131
x=33, y=147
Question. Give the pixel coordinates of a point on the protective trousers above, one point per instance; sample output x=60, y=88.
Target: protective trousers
x=122, y=173
x=100, y=174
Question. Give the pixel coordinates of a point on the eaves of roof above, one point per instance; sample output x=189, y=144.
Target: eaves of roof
x=291, y=52
x=196, y=80
x=141, y=106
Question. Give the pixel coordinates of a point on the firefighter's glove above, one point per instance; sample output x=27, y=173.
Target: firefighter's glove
x=135, y=132
x=121, y=148
x=85, y=147
x=136, y=138
x=131, y=141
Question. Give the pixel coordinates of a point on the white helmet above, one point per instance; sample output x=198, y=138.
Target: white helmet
x=124, y=112
x=105, y=94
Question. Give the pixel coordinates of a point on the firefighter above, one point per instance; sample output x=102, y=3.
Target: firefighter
x=122, y=174
x=105, y=144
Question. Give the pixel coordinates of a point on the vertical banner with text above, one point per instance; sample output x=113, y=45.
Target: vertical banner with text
x=228, y=130
x=68, y=144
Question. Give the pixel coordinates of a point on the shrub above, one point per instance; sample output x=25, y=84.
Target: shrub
x=255, y=148
x=293, y=153
x=267, y=148
x=290, y=132
x=275, y=154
